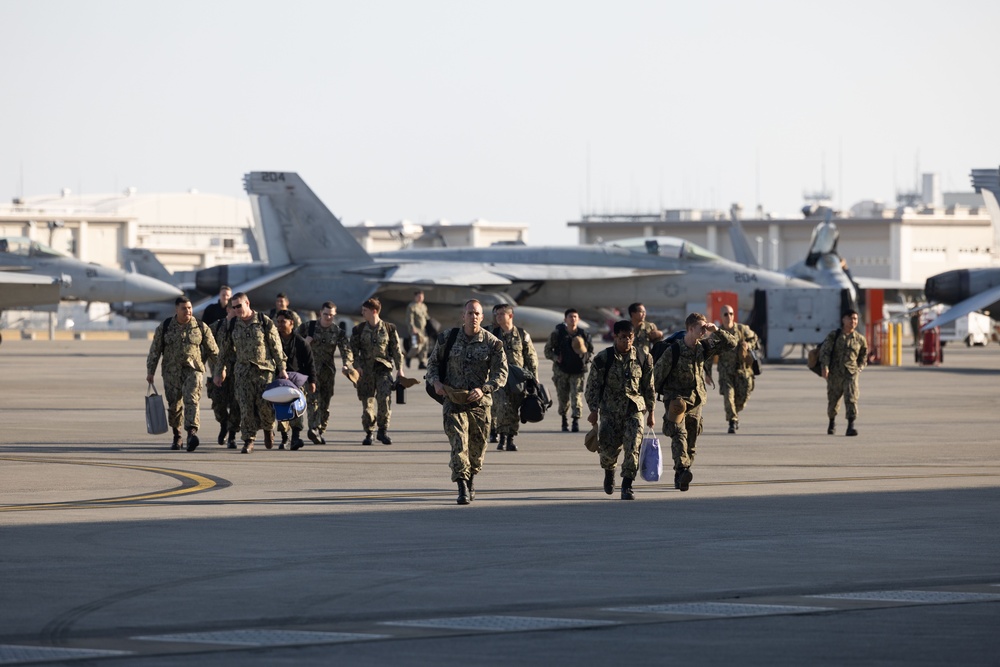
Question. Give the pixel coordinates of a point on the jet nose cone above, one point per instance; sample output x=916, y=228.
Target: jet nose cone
x=141, y=289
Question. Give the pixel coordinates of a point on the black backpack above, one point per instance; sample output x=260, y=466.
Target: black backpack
x=536, y=401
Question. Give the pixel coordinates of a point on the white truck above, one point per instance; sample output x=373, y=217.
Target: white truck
x=971, y=329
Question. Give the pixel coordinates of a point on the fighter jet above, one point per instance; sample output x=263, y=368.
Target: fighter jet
x=968, y=290
x=33, y=274
x=313, y=258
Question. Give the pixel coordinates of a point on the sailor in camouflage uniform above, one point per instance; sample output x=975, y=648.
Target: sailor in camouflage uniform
x=185, y=345
x=569, y=367
x=376, y=349
x=735, y=376
x=520, y=352
x=224, y=404
x=646, y=333
x=475, y=367
x=251, y=352
x=843, y=355
x=416, y=319
x=682, y=384
x=325, y=338
x=619, y=392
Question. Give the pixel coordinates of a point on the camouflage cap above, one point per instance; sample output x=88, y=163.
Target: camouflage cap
x=352, y=375
x=457, y=396
x=408, y=382
x=590, y=440
x=579, y=345
x=676, y=410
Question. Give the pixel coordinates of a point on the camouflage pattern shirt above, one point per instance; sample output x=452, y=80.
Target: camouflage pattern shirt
x=474, y=362
x=628, y=387
x=325, y=343
x=844, y=353
x=190, y=345
x=730, y=360
x=519, y=349
x=686, y=379
x=416, y=317
x=642, y=333
x=254, y=342
x=376, y=346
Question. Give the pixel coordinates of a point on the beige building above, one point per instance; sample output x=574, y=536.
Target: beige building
x=439, y=234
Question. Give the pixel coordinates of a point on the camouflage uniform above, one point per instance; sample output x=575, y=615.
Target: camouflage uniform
x=686, y=380
x=735, y=379
x=622, y=401
x=568, y=376
x=375, y=352
x=185, y=349
x=520, y=351
x=325, y=343
x=642, y=333
x=224, y=404
x=845, y=355
x=476, y=362
x=251, y=353
x=416, y=318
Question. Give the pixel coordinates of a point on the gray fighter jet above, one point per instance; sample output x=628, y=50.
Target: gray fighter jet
x=313, y=258
x=969, y=290
x=35, y=275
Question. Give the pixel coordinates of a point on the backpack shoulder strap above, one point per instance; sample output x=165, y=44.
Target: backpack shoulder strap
x=312, y=328
x=163, y=336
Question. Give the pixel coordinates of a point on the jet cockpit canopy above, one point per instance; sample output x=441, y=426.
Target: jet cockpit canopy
x=25, y=247
x=666, y=246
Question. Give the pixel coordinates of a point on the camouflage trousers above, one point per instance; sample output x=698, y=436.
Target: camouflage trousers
x=224, y=405
x=843, y=385
x=467, y=431
x=683, y=437
x=735, y=389
x=618, y=432
x=255, y=413
x=182, y=391
x=375, y=394
x=505, y=413
x=299, y=423
x=318, y=402
x=569, y=389
x=418, y=352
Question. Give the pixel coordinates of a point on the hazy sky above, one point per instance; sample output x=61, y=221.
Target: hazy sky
x=516, y=111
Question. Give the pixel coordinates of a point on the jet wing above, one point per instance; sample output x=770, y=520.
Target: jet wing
x=469, y=274
x=973, y=303
x=260, y=281
x=19, y=290
x=887, y=283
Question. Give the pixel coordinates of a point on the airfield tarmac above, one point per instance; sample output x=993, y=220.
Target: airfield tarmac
x=792, y=547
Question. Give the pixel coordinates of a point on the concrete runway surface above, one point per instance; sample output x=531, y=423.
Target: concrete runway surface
x=792, y=547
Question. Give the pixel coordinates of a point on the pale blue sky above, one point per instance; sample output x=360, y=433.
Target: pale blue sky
x=465, y=109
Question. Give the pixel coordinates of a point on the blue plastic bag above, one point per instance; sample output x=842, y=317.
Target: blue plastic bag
x=650, y=459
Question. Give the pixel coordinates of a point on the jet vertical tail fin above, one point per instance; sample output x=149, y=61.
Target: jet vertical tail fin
x=740, y=241
x=296, y=225
x=987, y=183
x=144, y=262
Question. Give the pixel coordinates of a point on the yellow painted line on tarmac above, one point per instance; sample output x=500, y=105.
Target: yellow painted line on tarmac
x=190, y=483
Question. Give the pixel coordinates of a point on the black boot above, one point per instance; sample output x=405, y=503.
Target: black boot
x=231, y=444
x=684, y=478
x=502, y=440
x=269, y=439
x=732, y=426
x=472, y=488
x=247, y=446
x=831, y=429
x=463, y=492
x=296, y=439
x=368, y=438
x=177, y=439
x=576, y=425
x=565, y=424
x=383, y=437
x=850, y=428
x=609, y=482
x=511, y=447
x=222, y=434
x=493, y=436
x=313, y=435
x=193, y=441
x=677, y=478
x=627, y=492
x=284, y=439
